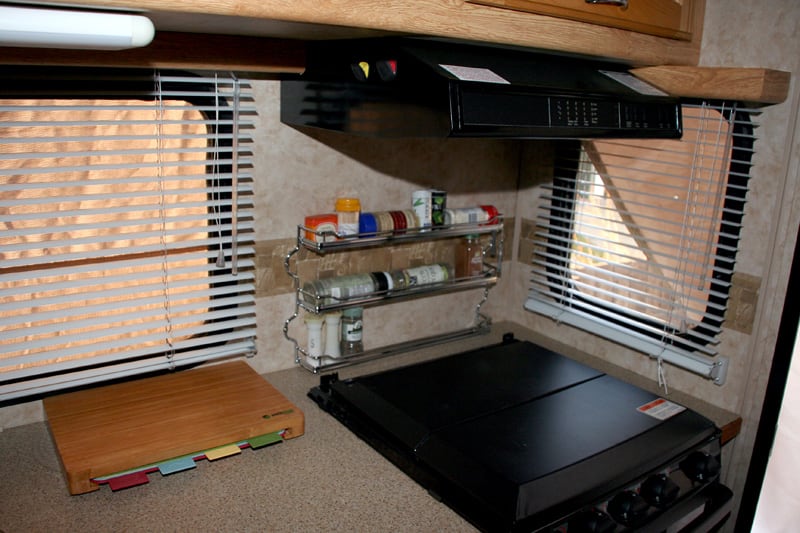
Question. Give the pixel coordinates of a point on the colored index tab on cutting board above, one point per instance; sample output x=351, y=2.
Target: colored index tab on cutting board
x=222, y=451
x=178, y=464
x=128, y=480
x=264, y=440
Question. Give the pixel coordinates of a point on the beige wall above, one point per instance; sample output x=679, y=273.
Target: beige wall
x=766, y=34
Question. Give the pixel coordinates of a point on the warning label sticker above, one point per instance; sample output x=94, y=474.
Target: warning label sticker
x=661, y=409
x=632, y=82
x=475, y=74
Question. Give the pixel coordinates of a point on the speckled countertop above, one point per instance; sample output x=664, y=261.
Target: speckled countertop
x=325, y=480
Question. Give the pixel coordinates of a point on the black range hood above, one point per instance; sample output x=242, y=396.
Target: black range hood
x=421, y=88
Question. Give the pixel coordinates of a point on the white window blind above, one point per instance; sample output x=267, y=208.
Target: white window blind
x=125, y=244
x=636, y=239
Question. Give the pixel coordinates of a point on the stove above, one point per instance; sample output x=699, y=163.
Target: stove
x=515, y=437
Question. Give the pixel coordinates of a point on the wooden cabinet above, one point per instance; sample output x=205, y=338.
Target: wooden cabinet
x=676, y=19
x=268, y=36
x=560, y=27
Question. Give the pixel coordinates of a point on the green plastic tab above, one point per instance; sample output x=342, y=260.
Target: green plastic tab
x=265, y=440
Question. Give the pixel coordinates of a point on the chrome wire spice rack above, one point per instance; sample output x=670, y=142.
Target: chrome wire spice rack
x=322, y=242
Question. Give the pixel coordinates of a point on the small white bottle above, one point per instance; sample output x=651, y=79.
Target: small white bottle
x=332, y=325
x=316, y=344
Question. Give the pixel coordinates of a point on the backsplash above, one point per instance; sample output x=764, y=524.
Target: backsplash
x=271, y=278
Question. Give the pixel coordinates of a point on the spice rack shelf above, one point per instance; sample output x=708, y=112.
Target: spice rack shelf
x=322, y=242
x=334, y=242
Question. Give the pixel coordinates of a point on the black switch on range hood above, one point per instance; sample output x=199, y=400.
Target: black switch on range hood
x=419, y=88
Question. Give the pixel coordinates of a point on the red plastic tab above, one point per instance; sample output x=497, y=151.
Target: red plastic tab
x=129, y=480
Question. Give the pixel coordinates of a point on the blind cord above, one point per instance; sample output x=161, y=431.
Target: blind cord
x=662, y=377
x=235, y=178
x=215, y=175
x=170, y=354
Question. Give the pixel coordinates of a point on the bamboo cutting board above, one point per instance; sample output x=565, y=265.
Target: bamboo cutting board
x=110, y=429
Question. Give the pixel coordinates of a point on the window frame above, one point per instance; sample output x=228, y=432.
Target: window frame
x=77, y=83
x=564, y=198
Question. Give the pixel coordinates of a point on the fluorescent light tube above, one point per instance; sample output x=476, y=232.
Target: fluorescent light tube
x=59, y=28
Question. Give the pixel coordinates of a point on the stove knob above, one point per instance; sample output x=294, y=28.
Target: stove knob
x=592, y=521
x=659, y=490
x=700, y=466
x=627, y=507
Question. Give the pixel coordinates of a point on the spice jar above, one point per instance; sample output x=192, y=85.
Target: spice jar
x=427, y=274
x=332, y=322
x=315, y=341
x=347, y=212
x=482, y=214
x=396, y=280
x=421, y=203
x=352, y=332
x=469, y=257
x=321, y=228
x=328, y=291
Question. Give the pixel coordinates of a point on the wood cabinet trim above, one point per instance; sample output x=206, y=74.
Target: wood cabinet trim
x=179, y=50
x=756, y=85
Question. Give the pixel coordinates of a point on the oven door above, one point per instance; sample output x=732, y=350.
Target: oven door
x=707, y=511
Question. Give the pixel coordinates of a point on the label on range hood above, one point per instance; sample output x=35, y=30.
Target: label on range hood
x=475, y=74
x=632, y=82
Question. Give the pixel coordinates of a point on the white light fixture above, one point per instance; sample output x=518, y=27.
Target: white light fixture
x=61, y=28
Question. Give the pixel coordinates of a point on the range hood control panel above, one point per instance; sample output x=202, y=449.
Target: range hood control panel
x=478, y=110
x=601, y=114
x=570, y=112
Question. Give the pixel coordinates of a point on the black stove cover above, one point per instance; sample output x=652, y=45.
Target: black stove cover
x=511, y=435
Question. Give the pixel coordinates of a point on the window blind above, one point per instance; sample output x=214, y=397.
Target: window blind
x=636, y=239
x=126, y=238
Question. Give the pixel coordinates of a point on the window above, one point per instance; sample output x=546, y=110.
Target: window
x=637, y=238
x=124, y=203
